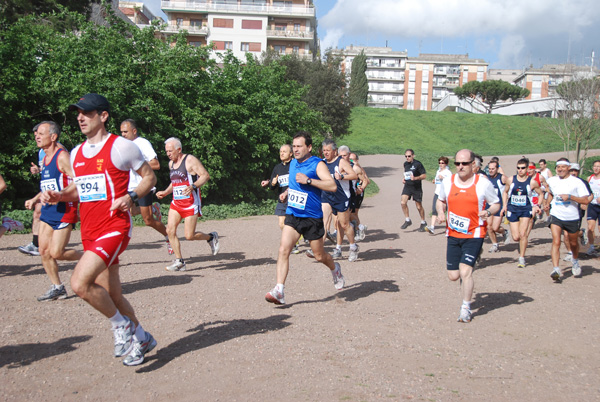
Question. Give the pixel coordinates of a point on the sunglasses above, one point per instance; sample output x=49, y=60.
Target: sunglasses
x=408, y=156
x=521, y=167
x=441, y=163
x=462, y=163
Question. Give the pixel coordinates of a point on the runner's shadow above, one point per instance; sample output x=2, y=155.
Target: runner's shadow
x=377, y=235
x=354, y=292
x=491, y=261
x=219, y=257
x=536, y=242
x=15, y=356
x=586, y=270
x=380, y=254
x=486, y=302
x=212, y=333
x=147, y=245
x=25, y=270
x=375, y=172
x=157, y=282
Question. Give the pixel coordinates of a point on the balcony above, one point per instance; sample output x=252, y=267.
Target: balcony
x=265, y=9
x=192, y=29
x=277, y=34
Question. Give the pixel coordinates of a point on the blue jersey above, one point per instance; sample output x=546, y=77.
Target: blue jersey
x=342, y=194
x=304, y=200
x=519, y=195
x=498, y=186
x=54, y=179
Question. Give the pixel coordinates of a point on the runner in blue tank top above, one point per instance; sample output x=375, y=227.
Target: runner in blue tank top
x=517, y=205
x=308, y=177
x=495, y=221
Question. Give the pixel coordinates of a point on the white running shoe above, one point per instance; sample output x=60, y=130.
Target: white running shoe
x=124, y=338
x=139, y=350
x=494, y=248
x=576, y=268
x=521, y=263
x=591, y=250
x=362, y=232
x=178, y=265
x=507, y=238
x=275, y=296
x=338, y=278
x=214, y=243
x=337, y=253
x=465, y=315
x=29, y=249
x=584, y=237
x=353, y=255
x=568, y=257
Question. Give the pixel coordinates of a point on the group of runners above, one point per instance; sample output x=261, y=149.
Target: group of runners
x=108, y=178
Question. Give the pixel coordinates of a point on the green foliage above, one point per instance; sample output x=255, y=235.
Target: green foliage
x=12, y=10
x=325, y=88
x=491, y=92
x=359, y=86
x=233, y=118
x=432, y=134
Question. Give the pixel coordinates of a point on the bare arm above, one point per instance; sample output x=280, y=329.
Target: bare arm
x=2, y=184
x=346, y=170
x=154, y=164
x=148, y=181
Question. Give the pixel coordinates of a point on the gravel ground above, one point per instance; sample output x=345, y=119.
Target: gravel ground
x=391, y=334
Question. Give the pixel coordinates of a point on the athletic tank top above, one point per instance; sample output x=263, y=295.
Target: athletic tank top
x=463, y=211
x=342, y=194
x=595, y=186
x=180, y=179
x=534, y=195
x=519, y=195
x=99, y=183
x=54, y=179
x=304, y=200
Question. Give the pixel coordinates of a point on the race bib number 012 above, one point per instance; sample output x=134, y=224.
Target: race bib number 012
x=91, y=187
x=297, y=199
x=458, y=223
x=178, y=193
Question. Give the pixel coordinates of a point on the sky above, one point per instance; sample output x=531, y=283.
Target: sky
x=505, y=33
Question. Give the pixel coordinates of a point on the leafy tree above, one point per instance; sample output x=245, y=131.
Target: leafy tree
x=325, y=87
x=234, y=117
x=577, y=112
x=12, y=10
x=359, y=86
x=491, y=92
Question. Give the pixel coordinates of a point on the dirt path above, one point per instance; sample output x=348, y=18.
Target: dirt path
x=391, y=334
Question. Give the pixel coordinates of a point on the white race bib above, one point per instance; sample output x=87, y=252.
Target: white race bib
x=178, y=193
x=518, y=200
x=49, y=184
x=408, y=176
x=458, y=223
x=283, y=180
x=297, y=199
x=91, y=187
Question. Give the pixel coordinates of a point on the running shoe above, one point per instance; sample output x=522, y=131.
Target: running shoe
x=576, y=268
x=124, y=338
x=214, y=243
x=353, y=255
x=362, y=232
x=568, y=257
x=555, y=275
x=494, y=248
x=332, y=237
x=54, y=293
x=465, y=315
x=139, y=350
x=406, y=224
x=430, y=229
x=13, y=225
x=591, y=250
x=422, y=227
x=310, y=254
x=338, y=278
x=156, y=212
x=296, y=250
x=521, y=263
x=178, y=265
x=337, y=253
x=584, y=237
x=507, y=238
x=275, y=296
x=169, y=248
x=29, y=249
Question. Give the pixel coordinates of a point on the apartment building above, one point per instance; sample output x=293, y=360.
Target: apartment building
x=542, y=82
x=287, y=26
x=137, y=12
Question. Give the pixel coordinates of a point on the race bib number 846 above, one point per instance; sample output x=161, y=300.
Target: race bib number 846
x=458, y=223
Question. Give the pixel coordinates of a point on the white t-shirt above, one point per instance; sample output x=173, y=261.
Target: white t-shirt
x=438, y=182
x=595, y=185
x=149, y=154
x=566, y=210
x=124, y=154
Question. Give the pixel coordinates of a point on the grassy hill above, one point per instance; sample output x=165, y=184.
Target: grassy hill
x=432, y=134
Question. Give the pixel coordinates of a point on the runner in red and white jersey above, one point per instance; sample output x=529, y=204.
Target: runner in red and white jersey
x=101, y=174
x=465, y=194
x=187, y=176
x=593, y=211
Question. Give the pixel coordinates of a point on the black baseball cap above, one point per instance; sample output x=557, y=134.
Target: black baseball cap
x=91, y=102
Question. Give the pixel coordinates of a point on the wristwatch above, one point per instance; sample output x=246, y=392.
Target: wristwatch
x=133, y=196
x=308, y=181
x=488, y=213
x=194, y=186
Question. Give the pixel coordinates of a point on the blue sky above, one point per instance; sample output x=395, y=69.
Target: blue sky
x=505, y=33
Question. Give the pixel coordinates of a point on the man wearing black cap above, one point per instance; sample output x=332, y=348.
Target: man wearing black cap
x=101, y=174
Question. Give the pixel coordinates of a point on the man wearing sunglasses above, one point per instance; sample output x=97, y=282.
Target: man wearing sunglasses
x=465, y=194
x=414, y=174
x=518, y=206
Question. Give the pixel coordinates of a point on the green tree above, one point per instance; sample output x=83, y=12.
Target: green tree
x=491, y=92
x=577, y=112
x=359, y=86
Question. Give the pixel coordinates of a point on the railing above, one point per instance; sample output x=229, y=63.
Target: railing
x=258, y=9
x=192, y=29
x=290, y=34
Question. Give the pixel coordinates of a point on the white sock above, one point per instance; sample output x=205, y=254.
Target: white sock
x=557, y=269
x=338, y=246
x=407, y=219
x=139, y=335
x=495, y=244
x=466, y=304
x=279, y=287
x=117, y=320
x=361, y=226
x=423, y=223
x=575, y=261
x=353, y=247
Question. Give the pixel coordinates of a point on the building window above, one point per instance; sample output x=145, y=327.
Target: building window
x=412, y=74
x=411, y=87
x=251, y=24
x=195, y=43
x=229, y=45
x=297, y=27
x=222, y=23
x=179, y=22
x=196, y=23
x=280, y=27
x=279, y=49
x=245, y=47
x=296, y=49
x=423, y=102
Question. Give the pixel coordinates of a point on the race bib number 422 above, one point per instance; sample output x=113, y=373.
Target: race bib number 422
x=91, y=187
